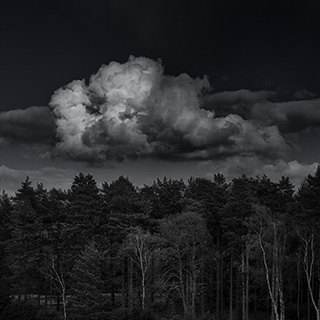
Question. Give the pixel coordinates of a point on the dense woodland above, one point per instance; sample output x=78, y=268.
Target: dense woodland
x=205, y=249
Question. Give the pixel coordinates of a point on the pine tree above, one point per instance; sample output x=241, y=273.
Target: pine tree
x=25, y=242
x=83, y=213
x=6, y=211
x=309, y=200
x=213, y=196
x=124, y=210
x=166, y=195
x=87, y=284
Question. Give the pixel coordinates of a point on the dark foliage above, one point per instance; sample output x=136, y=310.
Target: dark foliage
x=207, y=249
x=28, y=311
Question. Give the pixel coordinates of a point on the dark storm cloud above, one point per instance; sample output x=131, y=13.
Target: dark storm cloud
x=304, y=94
x=237, y=102
x=291, y=116
x=133, y=110
x=31, y=126
x=288, y=116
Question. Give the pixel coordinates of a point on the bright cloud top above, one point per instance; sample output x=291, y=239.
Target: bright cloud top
x=133, y=110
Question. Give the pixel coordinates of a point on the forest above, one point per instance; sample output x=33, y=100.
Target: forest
x=205, y=249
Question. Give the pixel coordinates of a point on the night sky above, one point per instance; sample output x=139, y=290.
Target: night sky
x=149, y=89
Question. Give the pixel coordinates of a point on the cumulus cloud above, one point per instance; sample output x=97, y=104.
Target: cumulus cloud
x=11, y=179
x=289, y=116
x=255, y=166
x=31, y=126
x=133, y=110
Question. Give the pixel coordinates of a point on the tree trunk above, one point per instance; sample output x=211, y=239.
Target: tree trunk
x=58, y=273
x=192, y=295
x=231, y=286
x=243, y=284
x=238, y=295
x=298, y=293
x=255, y=301
x=183, y=287
x=281, y=297
x=46, y=293
x=64, y=304
x=247, y=282
x=152, y=281
x=308, y=263
x=221, y=287
x=50, y=293
x=130, y=284
x=123, y=284
x=273, y=287
x=112, y=293
x=203, y=302
x=143, y=284
x=218, y=277
x=274, y=302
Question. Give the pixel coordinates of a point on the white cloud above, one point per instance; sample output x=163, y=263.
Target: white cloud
x=133, y=110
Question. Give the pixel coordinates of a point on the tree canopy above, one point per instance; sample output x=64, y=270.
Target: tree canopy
x=243, y=249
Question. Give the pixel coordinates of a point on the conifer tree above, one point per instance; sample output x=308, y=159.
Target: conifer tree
x=213, y=196
x=6, y=211
x=83, y=215
x=166, y=195
x=309, y=200
x=24, y=245
x=87, y=284
x=125, y=210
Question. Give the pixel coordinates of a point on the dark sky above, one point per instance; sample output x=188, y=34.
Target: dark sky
x=269, y=46
x=238, y=44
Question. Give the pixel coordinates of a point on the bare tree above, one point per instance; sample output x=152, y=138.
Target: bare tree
x=143, y=248
x=55, y=273
x=186, y=236
x=271, y=238
x=308, y=248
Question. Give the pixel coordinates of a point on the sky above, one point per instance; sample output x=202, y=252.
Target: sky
x=148, y=89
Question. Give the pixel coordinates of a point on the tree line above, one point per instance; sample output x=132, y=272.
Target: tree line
x=205, y=249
